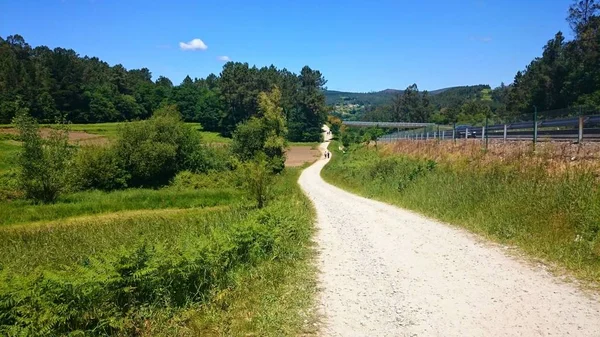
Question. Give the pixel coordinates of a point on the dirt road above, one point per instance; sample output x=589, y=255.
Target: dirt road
x=390, y=272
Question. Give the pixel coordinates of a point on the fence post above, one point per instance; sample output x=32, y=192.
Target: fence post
x=466, y=133
x=485, y=132
x=443, y=134
x=505, y=128
x=580, y=135
x=454, y=132
x=535, y=128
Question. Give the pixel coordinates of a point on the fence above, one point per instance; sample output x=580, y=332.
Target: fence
x=544, y=126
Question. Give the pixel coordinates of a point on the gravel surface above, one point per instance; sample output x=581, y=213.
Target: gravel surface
x=386, y=271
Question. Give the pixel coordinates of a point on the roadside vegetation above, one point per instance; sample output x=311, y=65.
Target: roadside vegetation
x=545, y=202
x=157, y=232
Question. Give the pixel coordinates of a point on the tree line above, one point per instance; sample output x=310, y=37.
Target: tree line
x=58, y=84
x=568, y=72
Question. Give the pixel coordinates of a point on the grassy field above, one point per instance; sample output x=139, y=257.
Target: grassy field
x=109, y=130
x=8, y=155
x=98, y=202
x=169, y=262
x=547, y=206
x=313, y=145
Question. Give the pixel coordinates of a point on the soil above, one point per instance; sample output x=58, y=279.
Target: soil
x=75, y=137
x=298, y=155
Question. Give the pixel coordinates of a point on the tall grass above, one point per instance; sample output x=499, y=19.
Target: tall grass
x=230, y=270
x=549, y=209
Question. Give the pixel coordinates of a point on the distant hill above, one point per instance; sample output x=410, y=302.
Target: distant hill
x=354, y=105
x=333, y=97
x=376, y=98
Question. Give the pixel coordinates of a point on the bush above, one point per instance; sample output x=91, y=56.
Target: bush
x=43, y=164
x=206, y=158
x=153, y=151
x=148, y=153
x=257, y=179
x=99, y=168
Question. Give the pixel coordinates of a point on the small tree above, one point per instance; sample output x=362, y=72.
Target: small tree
x=335, y=124
x=257, y=179
x=372, y=135
x=265, y=134
x=349, y=136
x=43, y=164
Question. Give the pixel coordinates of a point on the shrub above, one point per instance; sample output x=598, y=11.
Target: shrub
x=206, y=158
x=153, y=151
x=43, y=165
x=99, y=168
x=257, y=179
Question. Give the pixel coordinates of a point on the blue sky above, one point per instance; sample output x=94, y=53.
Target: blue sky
x=357, y=45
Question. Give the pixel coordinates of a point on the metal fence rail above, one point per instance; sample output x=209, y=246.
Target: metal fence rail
x=576, y=129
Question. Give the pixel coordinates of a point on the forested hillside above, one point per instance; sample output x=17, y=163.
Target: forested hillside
x=58, y=84
x=567, y=73
x=334, y=97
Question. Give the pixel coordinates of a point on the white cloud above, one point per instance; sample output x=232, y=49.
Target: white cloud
x=195, y=44
x=224, y=58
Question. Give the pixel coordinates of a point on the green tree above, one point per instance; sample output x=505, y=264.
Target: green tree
x=305, y=124
x=581, y=11
x=43, y=164
x=335, y=124
x=372, y=135
x=257, y=178
x=265, y=133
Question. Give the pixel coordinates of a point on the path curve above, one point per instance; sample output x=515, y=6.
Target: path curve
x=386, y=271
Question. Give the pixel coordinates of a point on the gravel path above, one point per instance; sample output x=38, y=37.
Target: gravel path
x=386, y=271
